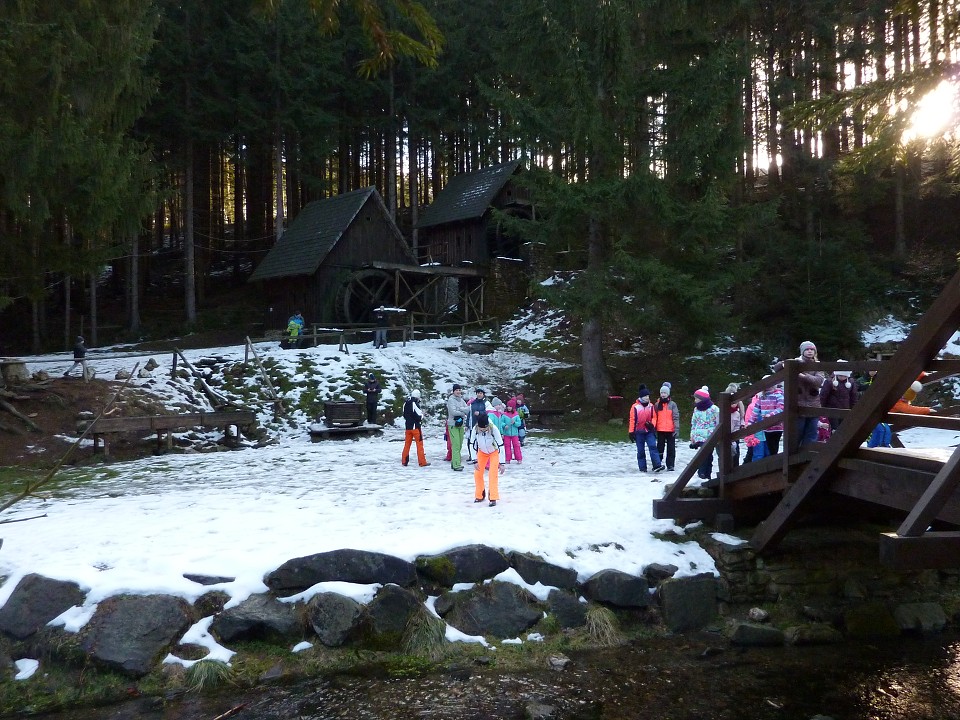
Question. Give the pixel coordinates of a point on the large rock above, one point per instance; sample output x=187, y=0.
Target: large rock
x=132, y=633
x=466, y=564
x=499, y=609
x=753, y=635
x=387, y=616
x=259, y=617
x=534, y=569
x=567, y=609
x=924, y=617
x=688, y=603
x=334, y=618
x=35, y=601
x=621, y=589
x=354, y=566
x=813, y=634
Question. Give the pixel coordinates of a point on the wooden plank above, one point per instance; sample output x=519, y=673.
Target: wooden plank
x=922, y=345
x=899, y=460
x=932, y=550
x=692, y=508
x=902, y=421
x=168, y=422
x=934, y=497
x=893, y=493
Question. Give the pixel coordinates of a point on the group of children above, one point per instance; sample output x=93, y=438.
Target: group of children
x=494, y=433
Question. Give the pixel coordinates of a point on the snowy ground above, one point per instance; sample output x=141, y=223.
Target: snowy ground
x=139, y=526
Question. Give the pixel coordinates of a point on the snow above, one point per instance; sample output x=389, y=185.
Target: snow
x=138, y=527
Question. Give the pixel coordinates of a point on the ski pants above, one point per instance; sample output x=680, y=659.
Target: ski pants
x=456, y=445
x=413, y=436
x=647, y=440
x=511, y=447
x=483, y=458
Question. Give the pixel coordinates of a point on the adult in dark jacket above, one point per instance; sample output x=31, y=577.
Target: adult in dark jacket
x=478, y=406
x=372, y=391
x=79, y=358
x=380, y=332
x=413, y=417
x=839, y=392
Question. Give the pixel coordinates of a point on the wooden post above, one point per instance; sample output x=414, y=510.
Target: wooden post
x=724, y=449
x=173, y=367
x=790, y=419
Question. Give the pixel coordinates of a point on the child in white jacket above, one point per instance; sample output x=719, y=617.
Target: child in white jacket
x=487, y=444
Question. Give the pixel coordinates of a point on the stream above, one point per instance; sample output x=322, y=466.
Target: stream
x=695, y=677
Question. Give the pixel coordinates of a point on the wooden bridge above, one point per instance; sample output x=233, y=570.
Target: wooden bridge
x=840, y=477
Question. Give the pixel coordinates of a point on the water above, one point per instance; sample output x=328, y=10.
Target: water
x=683, y=678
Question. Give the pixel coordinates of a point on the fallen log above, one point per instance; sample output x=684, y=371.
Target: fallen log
x=19, y=415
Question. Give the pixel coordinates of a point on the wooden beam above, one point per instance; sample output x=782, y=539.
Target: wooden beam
x=707, y=509
x=900, y=493
x=932, y=550
x=933, y=499
x=922, y=345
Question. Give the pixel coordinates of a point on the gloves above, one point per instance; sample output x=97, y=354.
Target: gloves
x=633, y=436
x=696, y=445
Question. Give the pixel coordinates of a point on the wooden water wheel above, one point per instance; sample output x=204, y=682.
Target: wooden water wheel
x=362, y=292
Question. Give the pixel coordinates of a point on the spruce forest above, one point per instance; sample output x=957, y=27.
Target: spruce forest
x=753, y=168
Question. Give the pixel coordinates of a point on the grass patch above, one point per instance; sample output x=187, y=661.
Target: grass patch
x=602, y=626
x=425, y=635
x=208, y=674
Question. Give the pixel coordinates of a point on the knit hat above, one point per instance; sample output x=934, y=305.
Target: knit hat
x=371, y=376
x=841, y=371
x=482, y=420
x=665, y=389
x=642, y=391
x=511, y=404
x=480, y=390
x=415, y=394
x=807, y=345
x=457, y=387
x=703, y=393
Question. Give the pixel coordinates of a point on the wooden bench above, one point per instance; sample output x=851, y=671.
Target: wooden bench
x=344, y=414
x=540, y=413
x=161, y=424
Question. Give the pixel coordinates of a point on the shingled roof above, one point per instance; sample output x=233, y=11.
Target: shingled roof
x=313, y=234
x=467, y=196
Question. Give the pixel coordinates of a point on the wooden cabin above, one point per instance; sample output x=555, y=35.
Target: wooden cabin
x=459, y=227
x=326, y=245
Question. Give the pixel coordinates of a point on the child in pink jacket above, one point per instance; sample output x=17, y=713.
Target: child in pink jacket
x=510, y=422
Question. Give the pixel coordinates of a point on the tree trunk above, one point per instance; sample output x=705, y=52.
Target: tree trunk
x=596, y=377
x=93, y=309
x=133, y=291
x=900, y=236
x=189, y=276
x=390, y=152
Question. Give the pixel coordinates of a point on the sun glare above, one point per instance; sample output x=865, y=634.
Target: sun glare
x=937, y=114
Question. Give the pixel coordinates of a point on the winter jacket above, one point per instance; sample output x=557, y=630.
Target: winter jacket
x=488, y=442
x=736, y=419
x=835, y=394
x=79, y=350
x=372, y=391
x=456, y=408
x=640, y=415
x=510, y=423
x=412, y=414
x=808, y=384
x=705, y=419
x=769, y=403
x=668, y=416
x=477, y=405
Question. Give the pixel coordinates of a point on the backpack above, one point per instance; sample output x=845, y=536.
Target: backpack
x=408, y=414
